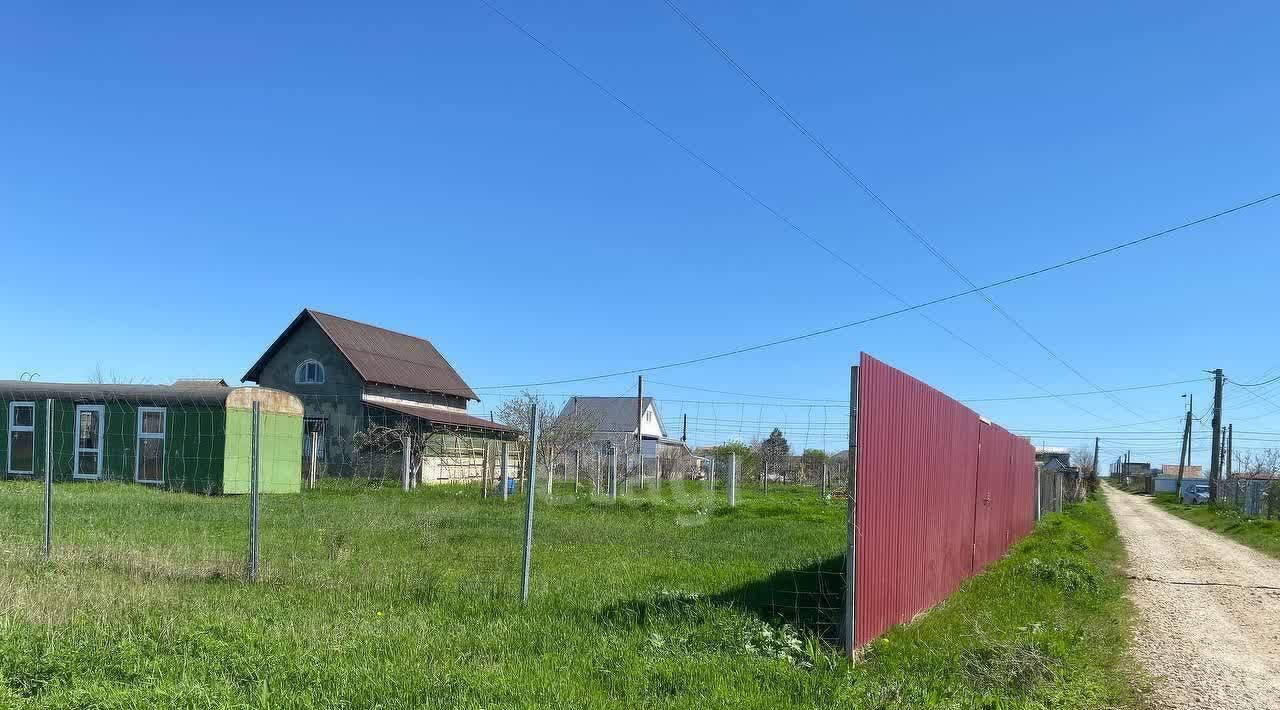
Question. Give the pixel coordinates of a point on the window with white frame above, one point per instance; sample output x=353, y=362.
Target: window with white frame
x=22, y=437
x=309, y=372
x=151, y=428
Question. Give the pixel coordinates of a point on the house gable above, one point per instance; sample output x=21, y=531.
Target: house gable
x=303, y=342
x=617, y=415
x=378, y=356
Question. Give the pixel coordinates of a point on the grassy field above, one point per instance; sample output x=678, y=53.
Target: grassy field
x=371, y=598
x=1262, y=535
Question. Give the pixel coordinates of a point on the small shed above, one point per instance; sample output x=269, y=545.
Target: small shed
x=188, y=438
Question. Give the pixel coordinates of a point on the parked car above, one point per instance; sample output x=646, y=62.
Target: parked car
x=1195, y=495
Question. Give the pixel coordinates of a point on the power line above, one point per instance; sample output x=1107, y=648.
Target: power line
x=866, y=188
x=1253, y=384
x=745, y=394
x=788, y=222
x=757, y=200
x=924, y=304
x=1083, y=394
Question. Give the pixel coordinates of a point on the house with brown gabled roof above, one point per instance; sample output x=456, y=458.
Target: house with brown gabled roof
x=351, y=376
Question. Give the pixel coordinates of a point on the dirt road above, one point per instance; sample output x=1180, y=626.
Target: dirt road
x=1208, y=628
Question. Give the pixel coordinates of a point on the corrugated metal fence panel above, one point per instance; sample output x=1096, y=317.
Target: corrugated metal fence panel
x=932, y=481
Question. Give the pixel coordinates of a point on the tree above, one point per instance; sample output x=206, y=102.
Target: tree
x=812, y=462
x=386, y=440
x=1082, y=458
x=775, y=451
x=98, y=377
x=559, y=431
x=748, y=460
x=1256, y=461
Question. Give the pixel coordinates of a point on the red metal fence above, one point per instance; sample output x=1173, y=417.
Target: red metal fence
x=939, y=494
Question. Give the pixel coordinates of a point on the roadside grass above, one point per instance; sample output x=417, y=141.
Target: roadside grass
x=373, y=598
x=1260, y=534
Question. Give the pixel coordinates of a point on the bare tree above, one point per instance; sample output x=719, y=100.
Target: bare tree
x=1082, y=458
x=559, y=431
x=99, y=377
x=425, y=444
x=1256, y=461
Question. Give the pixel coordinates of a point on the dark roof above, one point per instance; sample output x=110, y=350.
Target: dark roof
x=614, y=413
x=200, y=382
x=447, y=418
x=379, y=356
x=103, y=393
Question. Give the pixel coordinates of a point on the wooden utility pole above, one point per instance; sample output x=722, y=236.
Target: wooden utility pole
x=1215, y=454
x=1096, y=463
x=1184, y=456
x=1229, y=452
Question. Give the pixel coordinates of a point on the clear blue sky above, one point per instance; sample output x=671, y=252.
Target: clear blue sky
x=176, y=183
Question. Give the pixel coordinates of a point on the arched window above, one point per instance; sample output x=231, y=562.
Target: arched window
x=310, y=372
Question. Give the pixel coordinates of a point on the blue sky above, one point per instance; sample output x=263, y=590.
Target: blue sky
x=176, y=183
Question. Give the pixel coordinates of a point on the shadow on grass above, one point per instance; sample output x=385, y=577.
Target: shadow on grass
x=808, y=598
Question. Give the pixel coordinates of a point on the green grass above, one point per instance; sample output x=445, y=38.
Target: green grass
x=371, y=598
x=1260, y=534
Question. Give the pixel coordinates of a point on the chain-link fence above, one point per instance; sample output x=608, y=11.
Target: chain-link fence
x=1254, y=498
x=148, y=487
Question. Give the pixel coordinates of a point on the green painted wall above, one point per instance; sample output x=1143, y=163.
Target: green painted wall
x=207, y=447
x=279, y=452
x=194, y=443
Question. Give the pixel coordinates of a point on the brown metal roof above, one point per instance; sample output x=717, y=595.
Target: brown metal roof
x=445, y=417
x=380, y=356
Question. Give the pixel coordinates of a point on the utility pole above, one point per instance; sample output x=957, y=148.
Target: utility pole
x=1096, y=463
x=640, y=429
x=1215, y=454
x=1229, y=452
x=1184, y=456
x=684, y=429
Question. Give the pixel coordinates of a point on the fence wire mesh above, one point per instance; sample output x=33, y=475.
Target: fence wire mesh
x=150, y=491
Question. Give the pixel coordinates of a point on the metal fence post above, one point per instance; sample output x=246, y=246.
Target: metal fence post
x=253, y=491
x=404, y=475
x=733, y=479
x=503, y=465
x=315, y=441
x=613, y=476
x=48, y=479
x=850, y=629
x=1038, y=479
x=531, y=491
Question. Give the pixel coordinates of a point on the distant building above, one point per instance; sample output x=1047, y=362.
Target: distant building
x=1171, y=469
x=1045, y=454
x=200, y=382
x=615, y=423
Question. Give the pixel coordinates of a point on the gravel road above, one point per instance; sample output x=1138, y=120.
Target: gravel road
x=1208, y=630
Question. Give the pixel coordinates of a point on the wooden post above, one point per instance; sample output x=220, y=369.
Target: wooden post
x=484, y=470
